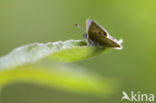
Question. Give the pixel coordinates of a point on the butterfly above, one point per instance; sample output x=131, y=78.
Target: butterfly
x=97, y=36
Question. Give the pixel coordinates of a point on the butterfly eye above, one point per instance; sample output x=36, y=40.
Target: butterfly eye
x=85, y=36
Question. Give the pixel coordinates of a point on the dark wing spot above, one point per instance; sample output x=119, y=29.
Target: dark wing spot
x=104, y=33
x=100, y=33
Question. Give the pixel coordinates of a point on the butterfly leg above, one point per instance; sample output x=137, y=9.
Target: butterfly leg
x=90, y=42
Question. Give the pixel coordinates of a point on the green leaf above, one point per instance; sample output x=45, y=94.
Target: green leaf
x=71, y=78
x=67, y=51
x=40, y=63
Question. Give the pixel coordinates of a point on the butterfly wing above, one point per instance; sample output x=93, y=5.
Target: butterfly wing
x=99, y=35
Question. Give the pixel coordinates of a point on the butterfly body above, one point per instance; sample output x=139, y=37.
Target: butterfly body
x=98, y=36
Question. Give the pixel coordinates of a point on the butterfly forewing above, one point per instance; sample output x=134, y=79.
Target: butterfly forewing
x=99, y=35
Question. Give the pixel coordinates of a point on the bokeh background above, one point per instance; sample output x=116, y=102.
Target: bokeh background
x=28, y=21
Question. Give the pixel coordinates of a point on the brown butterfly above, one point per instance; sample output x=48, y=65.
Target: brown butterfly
x=98, y=36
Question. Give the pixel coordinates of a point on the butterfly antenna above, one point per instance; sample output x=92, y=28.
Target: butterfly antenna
x=78, y=26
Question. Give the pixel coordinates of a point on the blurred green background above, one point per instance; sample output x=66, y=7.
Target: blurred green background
x=28, y=21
